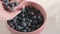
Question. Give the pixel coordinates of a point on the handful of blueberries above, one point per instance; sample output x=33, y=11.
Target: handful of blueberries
x=30, y=19
x=9, y=5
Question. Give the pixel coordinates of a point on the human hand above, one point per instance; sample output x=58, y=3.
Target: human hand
x=5, y=15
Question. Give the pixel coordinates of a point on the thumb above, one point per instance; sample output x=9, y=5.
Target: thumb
x=1, y=6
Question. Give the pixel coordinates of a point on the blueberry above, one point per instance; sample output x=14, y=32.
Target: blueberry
x=29, y=24
x=26, y=9
x=21, y=30
x=24, y=24
x=19, y=20
x=18, y=17
x=24, y=19
x=34, y=17
x=11, y=22
x=11, y=5
x=17, y=27
x=15, y=19
x=37, y=26
x=30, y=21
x=35, y=21
x=13, y=26
x=6, y=8
x=38, y=17
x=29, y=30
x=32, y=8
x=24, y=30
x=27, y=27
x=37, y=12
x=20, y=27
x=33, y=26
x=16, y=3
x=27, y=19
x=23, y=15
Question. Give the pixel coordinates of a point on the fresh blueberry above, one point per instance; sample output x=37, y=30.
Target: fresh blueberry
x=24, y=24
x=11, y=23
x=24, y=30
x=34, y=17
x=24, y=19
x=29, y=30
x=6, y=8
x=30, y=21
x=11, y=5
x=19, y=27
x=29, y=24
x=23, y=15
x=16, y=3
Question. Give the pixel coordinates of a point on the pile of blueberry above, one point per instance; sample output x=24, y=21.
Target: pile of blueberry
x=30, y=19
x=8, y=5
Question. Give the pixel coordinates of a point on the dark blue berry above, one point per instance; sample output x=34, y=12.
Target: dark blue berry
x=16, y=3
x=11, y=5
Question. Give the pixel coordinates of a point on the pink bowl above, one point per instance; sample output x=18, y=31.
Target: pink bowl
x=39, y=30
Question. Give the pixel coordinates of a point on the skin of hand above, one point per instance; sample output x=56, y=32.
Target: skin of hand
x=4, y=15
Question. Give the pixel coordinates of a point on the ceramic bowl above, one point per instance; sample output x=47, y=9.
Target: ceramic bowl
x=37, y=6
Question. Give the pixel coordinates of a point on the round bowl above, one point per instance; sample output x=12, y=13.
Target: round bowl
x=37, y=6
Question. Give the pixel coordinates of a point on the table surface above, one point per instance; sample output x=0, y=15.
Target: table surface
x=52, y=8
